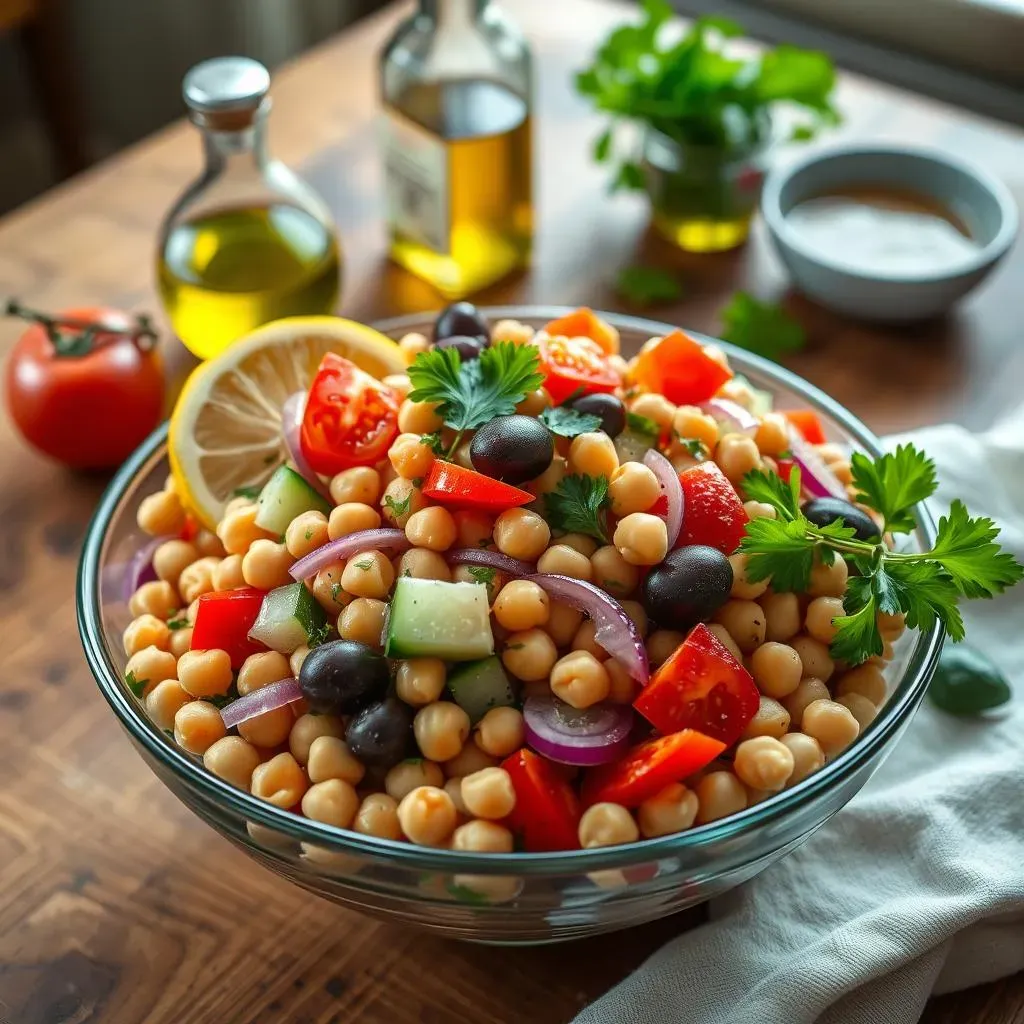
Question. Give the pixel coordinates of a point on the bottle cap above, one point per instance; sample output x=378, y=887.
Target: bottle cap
x=226, y=92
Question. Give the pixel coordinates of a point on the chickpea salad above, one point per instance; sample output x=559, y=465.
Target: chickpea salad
x=531, y=595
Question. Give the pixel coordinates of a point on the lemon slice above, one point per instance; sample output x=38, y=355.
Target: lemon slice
x=225, y=431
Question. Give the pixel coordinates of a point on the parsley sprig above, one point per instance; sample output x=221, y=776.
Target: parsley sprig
x=577, y=505
x=565, y=421
x=926, y=586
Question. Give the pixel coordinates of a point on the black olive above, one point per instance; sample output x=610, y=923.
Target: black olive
x=343, y=676
x=461, y=318
x=381, y=734
x=468, y=348
x=608, y=407
x=688, y=587
x=512, y=448
x=822, y=511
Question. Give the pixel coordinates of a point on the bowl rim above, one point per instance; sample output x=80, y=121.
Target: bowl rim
x=987, y=256
x=904, y=698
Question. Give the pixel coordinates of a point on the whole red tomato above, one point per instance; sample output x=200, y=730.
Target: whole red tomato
x=92, y=396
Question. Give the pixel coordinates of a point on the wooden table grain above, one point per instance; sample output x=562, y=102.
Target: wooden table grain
x=116, y=904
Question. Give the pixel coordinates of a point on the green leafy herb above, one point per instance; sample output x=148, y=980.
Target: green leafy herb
x=433, y=442
x=761, y=327
x=397, y=508
x=247, y=492
x=464, y=894
x=567, y=422
x=137, y=686
x=482, y=573
x=222, y=700
x=893, y=484
x=309, y=533
x=695, y=446
x=178, y=624
x=967, y=682
x=335, y=592
x=641, y=424
x=365, y=565
x=577, y=505
x=319, y=635
x=965, y=562
x=647, y=286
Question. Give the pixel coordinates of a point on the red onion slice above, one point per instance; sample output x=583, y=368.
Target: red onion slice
x=266, y=698
x=140, y=569
x=382, y=539
x=671, y=488
x=816, y=478
x=291, y=423
x=492, y=559
x=595, y=735
x=738, y=419
x=615, y=631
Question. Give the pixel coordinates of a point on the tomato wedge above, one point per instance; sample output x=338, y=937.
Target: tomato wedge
x=585, y=323
x=223, y=622
x=575, y=365
x=808, y=423
x=701, y=686
x=547, y=814
x=679, y=368
x=714, y=513
x=649, y=767
x=350, y=418
x=457, y=487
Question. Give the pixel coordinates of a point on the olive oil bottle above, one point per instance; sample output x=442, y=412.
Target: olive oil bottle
x=457, y=142
x=248, y=242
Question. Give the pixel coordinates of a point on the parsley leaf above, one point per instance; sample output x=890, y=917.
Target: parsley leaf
x=695, y=446
x=779, y=549
x=771, y=489
x=641, y=424
x=433, y=442
x=472, y=393
x=577, y=504
x=893, y=484
x=966, y=550
x=318, y=635
x=177, y=624
x=761, y=327
x=647, y=286
x=857, y=636
x=365, y=565
x=482, y=573
x=925, y=595
x=395, y=507
x=567, y=422
x=137, y=686
x=222, y=700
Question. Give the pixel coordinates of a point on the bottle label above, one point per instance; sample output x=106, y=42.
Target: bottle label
x=416, y=183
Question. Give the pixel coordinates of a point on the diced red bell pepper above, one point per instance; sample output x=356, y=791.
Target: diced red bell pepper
x=680, y=369
x=807, y=422
x=547, y=814
x=223, y=621
x=714, y=514
x=190, y=530
x=649, y=767
x=457, y=487
x=585, y=323
x=701, y=686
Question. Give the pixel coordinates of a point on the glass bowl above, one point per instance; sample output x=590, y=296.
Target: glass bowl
x=522, y=898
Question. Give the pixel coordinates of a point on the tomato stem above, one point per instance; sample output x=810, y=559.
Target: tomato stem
x=73, y=336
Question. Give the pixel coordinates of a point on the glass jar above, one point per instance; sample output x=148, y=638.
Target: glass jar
x=456, y=135
x=248, y=241
x=703, y=197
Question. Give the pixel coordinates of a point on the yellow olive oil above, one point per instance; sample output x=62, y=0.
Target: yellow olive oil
x=459, y=170
x=224, y=273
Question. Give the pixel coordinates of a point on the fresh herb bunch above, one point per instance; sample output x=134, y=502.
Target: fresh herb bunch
x=687, y=88
x=761, y=327
x=926, y=586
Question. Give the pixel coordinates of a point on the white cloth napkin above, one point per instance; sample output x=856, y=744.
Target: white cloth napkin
x=916, y=887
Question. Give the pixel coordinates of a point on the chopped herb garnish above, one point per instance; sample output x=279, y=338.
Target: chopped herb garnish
x=246, y=492
x=567, y=422
x=397, y=508
x=482, y=573
x=366, y=564
x=335, y=591
x=178, y=624
x=318, y=635
x=135, y=685
x=433, y=442
x=309, y=533
x=761, y=327
x=641, y=424
x=647, y=286
x=695, y=446
x=222, y=700
x=577, y=505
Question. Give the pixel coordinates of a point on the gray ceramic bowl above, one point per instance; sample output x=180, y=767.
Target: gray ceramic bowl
x=981, y=201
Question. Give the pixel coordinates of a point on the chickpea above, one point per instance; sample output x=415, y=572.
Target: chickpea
x=500, y=732
x=549, y=479
x=171, y=558
x=441, y=730
x=776, y=669
x=473, y=529
x=327, y=588
x=280, y=781
x=759, y=509
x=378, y=816
x=737, y=455
x=521, y=534
x=690, y=423
x=530, y=654
x=772, y=437
x=819, y=618
x=468, y=760
x=671, y=810
x=828, y=580
x=782, y=616
x=352, y=517
x=419, y=417
x=642, y=539
x=181, y=641
x=265, y=565
x=238, y=529
x=262, y=669
x=607, y=824
x=332, y=801
x=891, y=626
x=399, y=383
x=563, y=560
x=719, y=794
x=580, y=679
x=150, y=667
x=368, y=574
x=233, y=760
x=205, y=673
x=161, y=514
x=197, y=579
x=360, y=484
x=809, y=690
x=831, y=724
x=228, y=574
x=427, y=816
x=860, y=707
x=611, y=571
x=745, y=622
x=622, y=688
x=401, y=499
x=306, y=533
x=763, y=763
x=585, y=640
x=412, y=344
x=579, y=542
x=635, y=611
x=563, y=622
x=163, y=702
x=633, y=488
x=405, y=776
x=197, y=726
x=725, y=637
x=843, y=471
x=421, y=564
x=661, y=644
x=522, y=605
x=363, y=621
x=483, y=837
x=808, y=756
x=432, y=528
x=513, y=331
x=410, y=457
x=307, y=728
x=488, y=793
x=742, y=586
x=866, y=680
x=770, y=719
x=330, y=758
x=420, y=681
x=814, y=656
x=655, y=407
x=208, y=544
x=296, y=658
x=593, y=454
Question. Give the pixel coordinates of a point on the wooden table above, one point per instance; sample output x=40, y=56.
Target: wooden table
x=116, y=904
